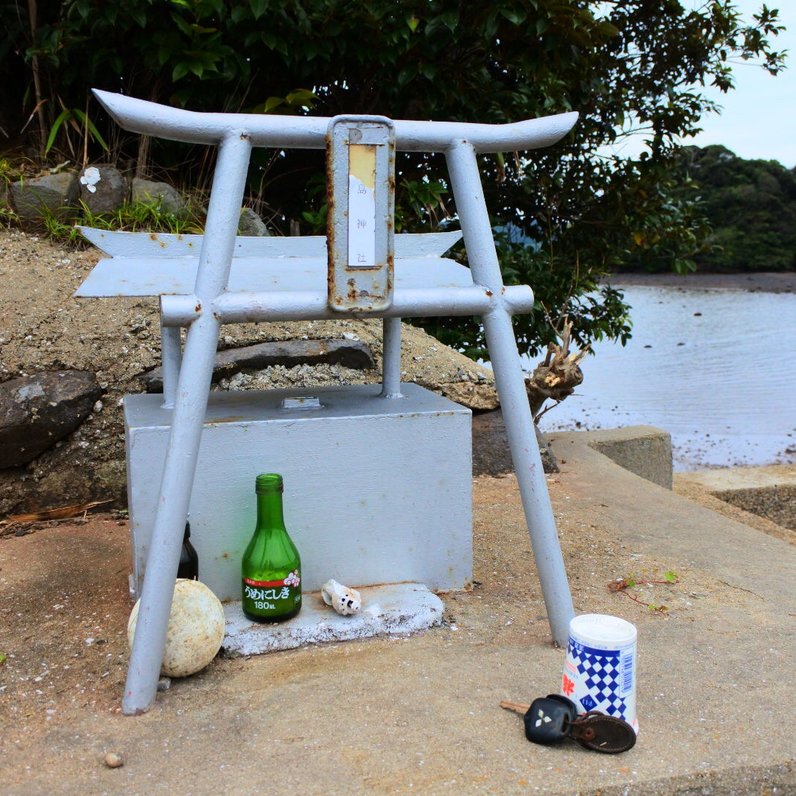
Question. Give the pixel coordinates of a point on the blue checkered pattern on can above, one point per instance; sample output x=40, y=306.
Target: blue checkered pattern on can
x=601, y=672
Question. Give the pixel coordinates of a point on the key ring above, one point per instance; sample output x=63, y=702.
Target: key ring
x=549, y=720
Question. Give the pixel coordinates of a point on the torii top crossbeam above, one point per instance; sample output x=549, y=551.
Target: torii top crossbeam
x=309, y=132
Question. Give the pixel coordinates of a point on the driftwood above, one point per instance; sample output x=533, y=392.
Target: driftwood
x=22, y=524
x=557, y=377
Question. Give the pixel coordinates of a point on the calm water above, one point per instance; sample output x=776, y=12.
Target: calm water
x=715, y=368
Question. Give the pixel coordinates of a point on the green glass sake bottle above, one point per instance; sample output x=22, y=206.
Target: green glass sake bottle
x=271, y=566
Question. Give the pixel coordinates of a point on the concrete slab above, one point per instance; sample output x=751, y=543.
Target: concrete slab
x=731, y=478
x=394, y=715
x=397, y=609
x=643, y=450
x=769, y=493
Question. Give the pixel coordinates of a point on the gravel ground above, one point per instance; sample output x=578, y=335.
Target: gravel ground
x=42, y=327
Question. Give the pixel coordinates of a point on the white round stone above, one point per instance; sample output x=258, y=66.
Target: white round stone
x=195, y=631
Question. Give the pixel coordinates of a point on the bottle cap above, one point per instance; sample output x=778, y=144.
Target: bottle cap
x=269, y=482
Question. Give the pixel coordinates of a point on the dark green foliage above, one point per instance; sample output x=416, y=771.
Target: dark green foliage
x=559, y=292
x=623, y=65
x=750, y=206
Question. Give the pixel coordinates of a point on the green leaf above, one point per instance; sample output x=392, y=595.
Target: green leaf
x=271, y=103
x=182, y=24
x=515, y=17
x=450, y=19
x=95, y=133
x=139, y=17
x=180, y=71
x=62, y=117
x=607, y=29
x=83, y=8
x=301, y=96
x=670, y=577
x=258, y=7
x=413, y=22
x=428, y=71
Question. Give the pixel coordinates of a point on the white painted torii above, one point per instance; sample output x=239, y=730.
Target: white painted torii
x=226, y=282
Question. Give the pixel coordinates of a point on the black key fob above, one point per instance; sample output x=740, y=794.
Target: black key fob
x=548, y=719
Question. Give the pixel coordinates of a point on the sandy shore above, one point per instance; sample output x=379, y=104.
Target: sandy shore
x=763, y=282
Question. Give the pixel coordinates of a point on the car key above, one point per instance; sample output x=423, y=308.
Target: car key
x=548, y=720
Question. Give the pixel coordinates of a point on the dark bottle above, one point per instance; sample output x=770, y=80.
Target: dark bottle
x=271, y=566
x=189, y=561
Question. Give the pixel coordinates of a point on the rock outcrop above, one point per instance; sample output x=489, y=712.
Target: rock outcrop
x=37, y=411
x=287, y=353
x=161, y=193
x=35, y=197
x=103, y=189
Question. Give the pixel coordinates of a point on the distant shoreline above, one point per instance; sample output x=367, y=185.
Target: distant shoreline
x=760, y=282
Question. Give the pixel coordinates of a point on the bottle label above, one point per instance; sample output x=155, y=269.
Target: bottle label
x=273, y=595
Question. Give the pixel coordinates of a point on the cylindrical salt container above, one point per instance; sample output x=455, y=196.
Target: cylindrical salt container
x=600, y=670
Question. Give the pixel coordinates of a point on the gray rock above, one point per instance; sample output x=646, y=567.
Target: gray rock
x=167, y=195
x=34, y=197
x=37, y=411
x=103, y=189
x=349, y=353
x=251, y=224
x=491, y=454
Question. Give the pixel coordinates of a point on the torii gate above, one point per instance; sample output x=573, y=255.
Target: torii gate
x=366, y=276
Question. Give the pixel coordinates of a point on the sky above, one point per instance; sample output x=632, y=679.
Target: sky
x=759, y=116
x=758, y=120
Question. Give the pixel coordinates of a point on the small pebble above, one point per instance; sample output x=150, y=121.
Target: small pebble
x=113, y=760
x=164, y=683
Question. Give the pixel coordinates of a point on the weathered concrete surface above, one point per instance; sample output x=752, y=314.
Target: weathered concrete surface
x=420, y=714
x=769, y=492
x=733, y=478
x=643, y=450
x=396, y=609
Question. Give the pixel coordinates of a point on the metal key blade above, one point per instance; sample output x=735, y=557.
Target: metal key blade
x=515, y=707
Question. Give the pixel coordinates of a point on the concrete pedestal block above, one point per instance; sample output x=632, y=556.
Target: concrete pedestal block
x=397, y=609
x=377, y=490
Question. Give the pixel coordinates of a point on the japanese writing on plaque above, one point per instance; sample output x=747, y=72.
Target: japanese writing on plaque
x=361, y=205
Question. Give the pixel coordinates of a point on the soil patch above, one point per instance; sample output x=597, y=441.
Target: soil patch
x=42, y=327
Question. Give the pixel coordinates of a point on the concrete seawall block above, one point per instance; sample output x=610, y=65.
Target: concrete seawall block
x=643, y=450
